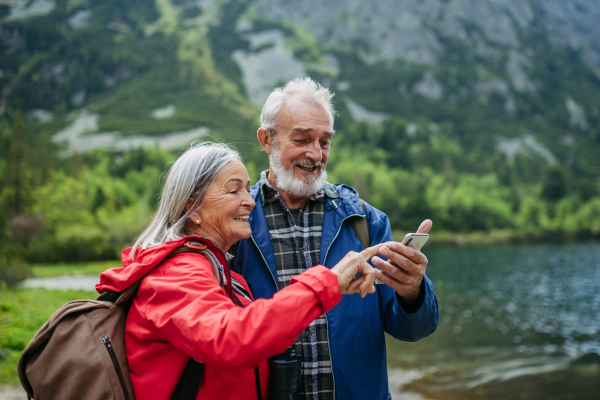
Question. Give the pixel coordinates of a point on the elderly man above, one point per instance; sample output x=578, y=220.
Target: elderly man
x=300, y=220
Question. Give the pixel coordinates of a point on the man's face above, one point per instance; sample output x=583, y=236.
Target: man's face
x=301, y=147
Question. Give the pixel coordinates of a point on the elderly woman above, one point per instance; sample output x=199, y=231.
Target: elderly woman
x=190, y=307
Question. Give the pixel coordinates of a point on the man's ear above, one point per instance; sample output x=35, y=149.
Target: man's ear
x=265, y=140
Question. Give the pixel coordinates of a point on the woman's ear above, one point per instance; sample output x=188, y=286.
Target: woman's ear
x=188, y=204
x=195, y=217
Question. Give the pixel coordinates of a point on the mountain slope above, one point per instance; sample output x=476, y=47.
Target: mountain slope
x=483, y=115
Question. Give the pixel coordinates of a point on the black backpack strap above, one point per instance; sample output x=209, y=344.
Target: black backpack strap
x=259, y=395
x=360, y=226
x=189, y=382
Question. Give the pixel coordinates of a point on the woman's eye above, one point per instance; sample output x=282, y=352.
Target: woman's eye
x=233, y=192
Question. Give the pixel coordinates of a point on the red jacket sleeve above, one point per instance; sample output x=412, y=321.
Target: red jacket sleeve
x=186, y=307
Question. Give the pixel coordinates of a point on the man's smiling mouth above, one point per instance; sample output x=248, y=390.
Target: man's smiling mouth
x=306, y=168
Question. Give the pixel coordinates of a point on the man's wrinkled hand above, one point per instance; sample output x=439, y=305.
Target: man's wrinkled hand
x=405, y=267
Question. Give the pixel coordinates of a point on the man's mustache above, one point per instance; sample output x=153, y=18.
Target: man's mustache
x=307, y=163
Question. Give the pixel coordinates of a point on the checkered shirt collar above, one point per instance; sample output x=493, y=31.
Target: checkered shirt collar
x=269, y=193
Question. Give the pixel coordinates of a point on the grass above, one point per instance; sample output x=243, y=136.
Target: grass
x=64, y=269
x=22, y=312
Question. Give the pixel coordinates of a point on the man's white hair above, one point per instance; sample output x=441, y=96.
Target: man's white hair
x=301, y=88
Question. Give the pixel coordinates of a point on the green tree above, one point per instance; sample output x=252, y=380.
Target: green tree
x=16, y=193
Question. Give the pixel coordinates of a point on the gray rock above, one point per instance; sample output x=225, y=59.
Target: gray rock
x=403, y=29
x=429, y=87
x=80, y=19
x=576, y=114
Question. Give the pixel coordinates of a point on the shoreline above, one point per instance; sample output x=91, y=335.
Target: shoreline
x=497, y=237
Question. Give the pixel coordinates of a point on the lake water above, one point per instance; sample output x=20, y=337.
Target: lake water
x=516, y=322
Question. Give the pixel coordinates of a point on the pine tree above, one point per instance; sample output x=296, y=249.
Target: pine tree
x=17, y=194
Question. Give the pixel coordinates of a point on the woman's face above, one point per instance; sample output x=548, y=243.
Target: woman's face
x=223, y=216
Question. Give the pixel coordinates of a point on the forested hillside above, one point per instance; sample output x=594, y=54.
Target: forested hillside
x=483, y=116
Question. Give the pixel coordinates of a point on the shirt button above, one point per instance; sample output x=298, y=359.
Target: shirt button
x=307, y=334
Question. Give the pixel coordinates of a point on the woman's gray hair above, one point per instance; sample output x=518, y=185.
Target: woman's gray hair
x=302, y=88
x=189, y=177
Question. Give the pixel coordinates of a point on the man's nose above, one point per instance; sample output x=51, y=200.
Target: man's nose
x=314, y=151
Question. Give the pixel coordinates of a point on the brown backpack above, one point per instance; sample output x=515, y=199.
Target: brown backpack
x=79, y=353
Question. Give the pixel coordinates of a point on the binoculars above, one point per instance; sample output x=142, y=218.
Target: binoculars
x=285, y=376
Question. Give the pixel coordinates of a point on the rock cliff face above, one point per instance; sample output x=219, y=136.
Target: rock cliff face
x=411, y=30
x=499, y=76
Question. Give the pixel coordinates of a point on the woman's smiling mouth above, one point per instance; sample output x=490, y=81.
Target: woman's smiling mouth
x=242, y=218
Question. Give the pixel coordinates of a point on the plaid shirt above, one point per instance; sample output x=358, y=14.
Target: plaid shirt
x=297, y=247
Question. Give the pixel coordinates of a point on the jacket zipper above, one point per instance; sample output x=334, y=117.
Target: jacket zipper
x=266, y=263
x=338, y=232
x=328, y=333
x=115, y=361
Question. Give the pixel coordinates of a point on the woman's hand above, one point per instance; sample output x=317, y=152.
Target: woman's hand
x=356, y=263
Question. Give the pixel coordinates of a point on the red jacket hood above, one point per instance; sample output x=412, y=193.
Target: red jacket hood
x=119, y=279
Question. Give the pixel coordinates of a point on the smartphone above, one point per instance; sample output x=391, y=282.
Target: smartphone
x=415, y=240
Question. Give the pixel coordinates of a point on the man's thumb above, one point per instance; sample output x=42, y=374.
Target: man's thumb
x=425, y=226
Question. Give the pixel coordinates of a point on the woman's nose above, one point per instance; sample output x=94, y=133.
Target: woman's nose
x=248, y=201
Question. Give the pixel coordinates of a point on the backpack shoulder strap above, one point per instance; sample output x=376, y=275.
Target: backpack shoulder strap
x=360, y=226
x=129, y=293
x=193, y=374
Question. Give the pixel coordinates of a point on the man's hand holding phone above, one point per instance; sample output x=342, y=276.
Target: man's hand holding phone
x=405, y=267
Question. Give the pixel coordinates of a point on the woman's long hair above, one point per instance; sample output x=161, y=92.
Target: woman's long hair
x=188, y=178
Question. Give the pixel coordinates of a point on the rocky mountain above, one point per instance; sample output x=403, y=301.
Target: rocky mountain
x=499, y=78
x=481, y=115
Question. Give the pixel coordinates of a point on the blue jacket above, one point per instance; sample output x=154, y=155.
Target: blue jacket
x=356, y=326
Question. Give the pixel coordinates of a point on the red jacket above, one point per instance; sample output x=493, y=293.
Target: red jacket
x=180, y=311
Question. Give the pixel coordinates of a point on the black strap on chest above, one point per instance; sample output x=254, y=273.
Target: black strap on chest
x=193, y=374
x=360, y=226
x=189, y=382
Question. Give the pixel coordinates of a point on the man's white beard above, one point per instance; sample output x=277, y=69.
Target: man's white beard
x=286, y=181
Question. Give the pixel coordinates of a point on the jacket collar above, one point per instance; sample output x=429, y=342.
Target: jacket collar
x=337, y=208
x=119, y=279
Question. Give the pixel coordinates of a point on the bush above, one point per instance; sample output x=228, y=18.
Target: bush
x=13, y=272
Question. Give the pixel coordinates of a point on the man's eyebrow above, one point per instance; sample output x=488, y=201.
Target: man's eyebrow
x=301, y=129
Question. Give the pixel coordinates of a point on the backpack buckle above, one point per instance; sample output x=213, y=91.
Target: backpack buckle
x=195, y=244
